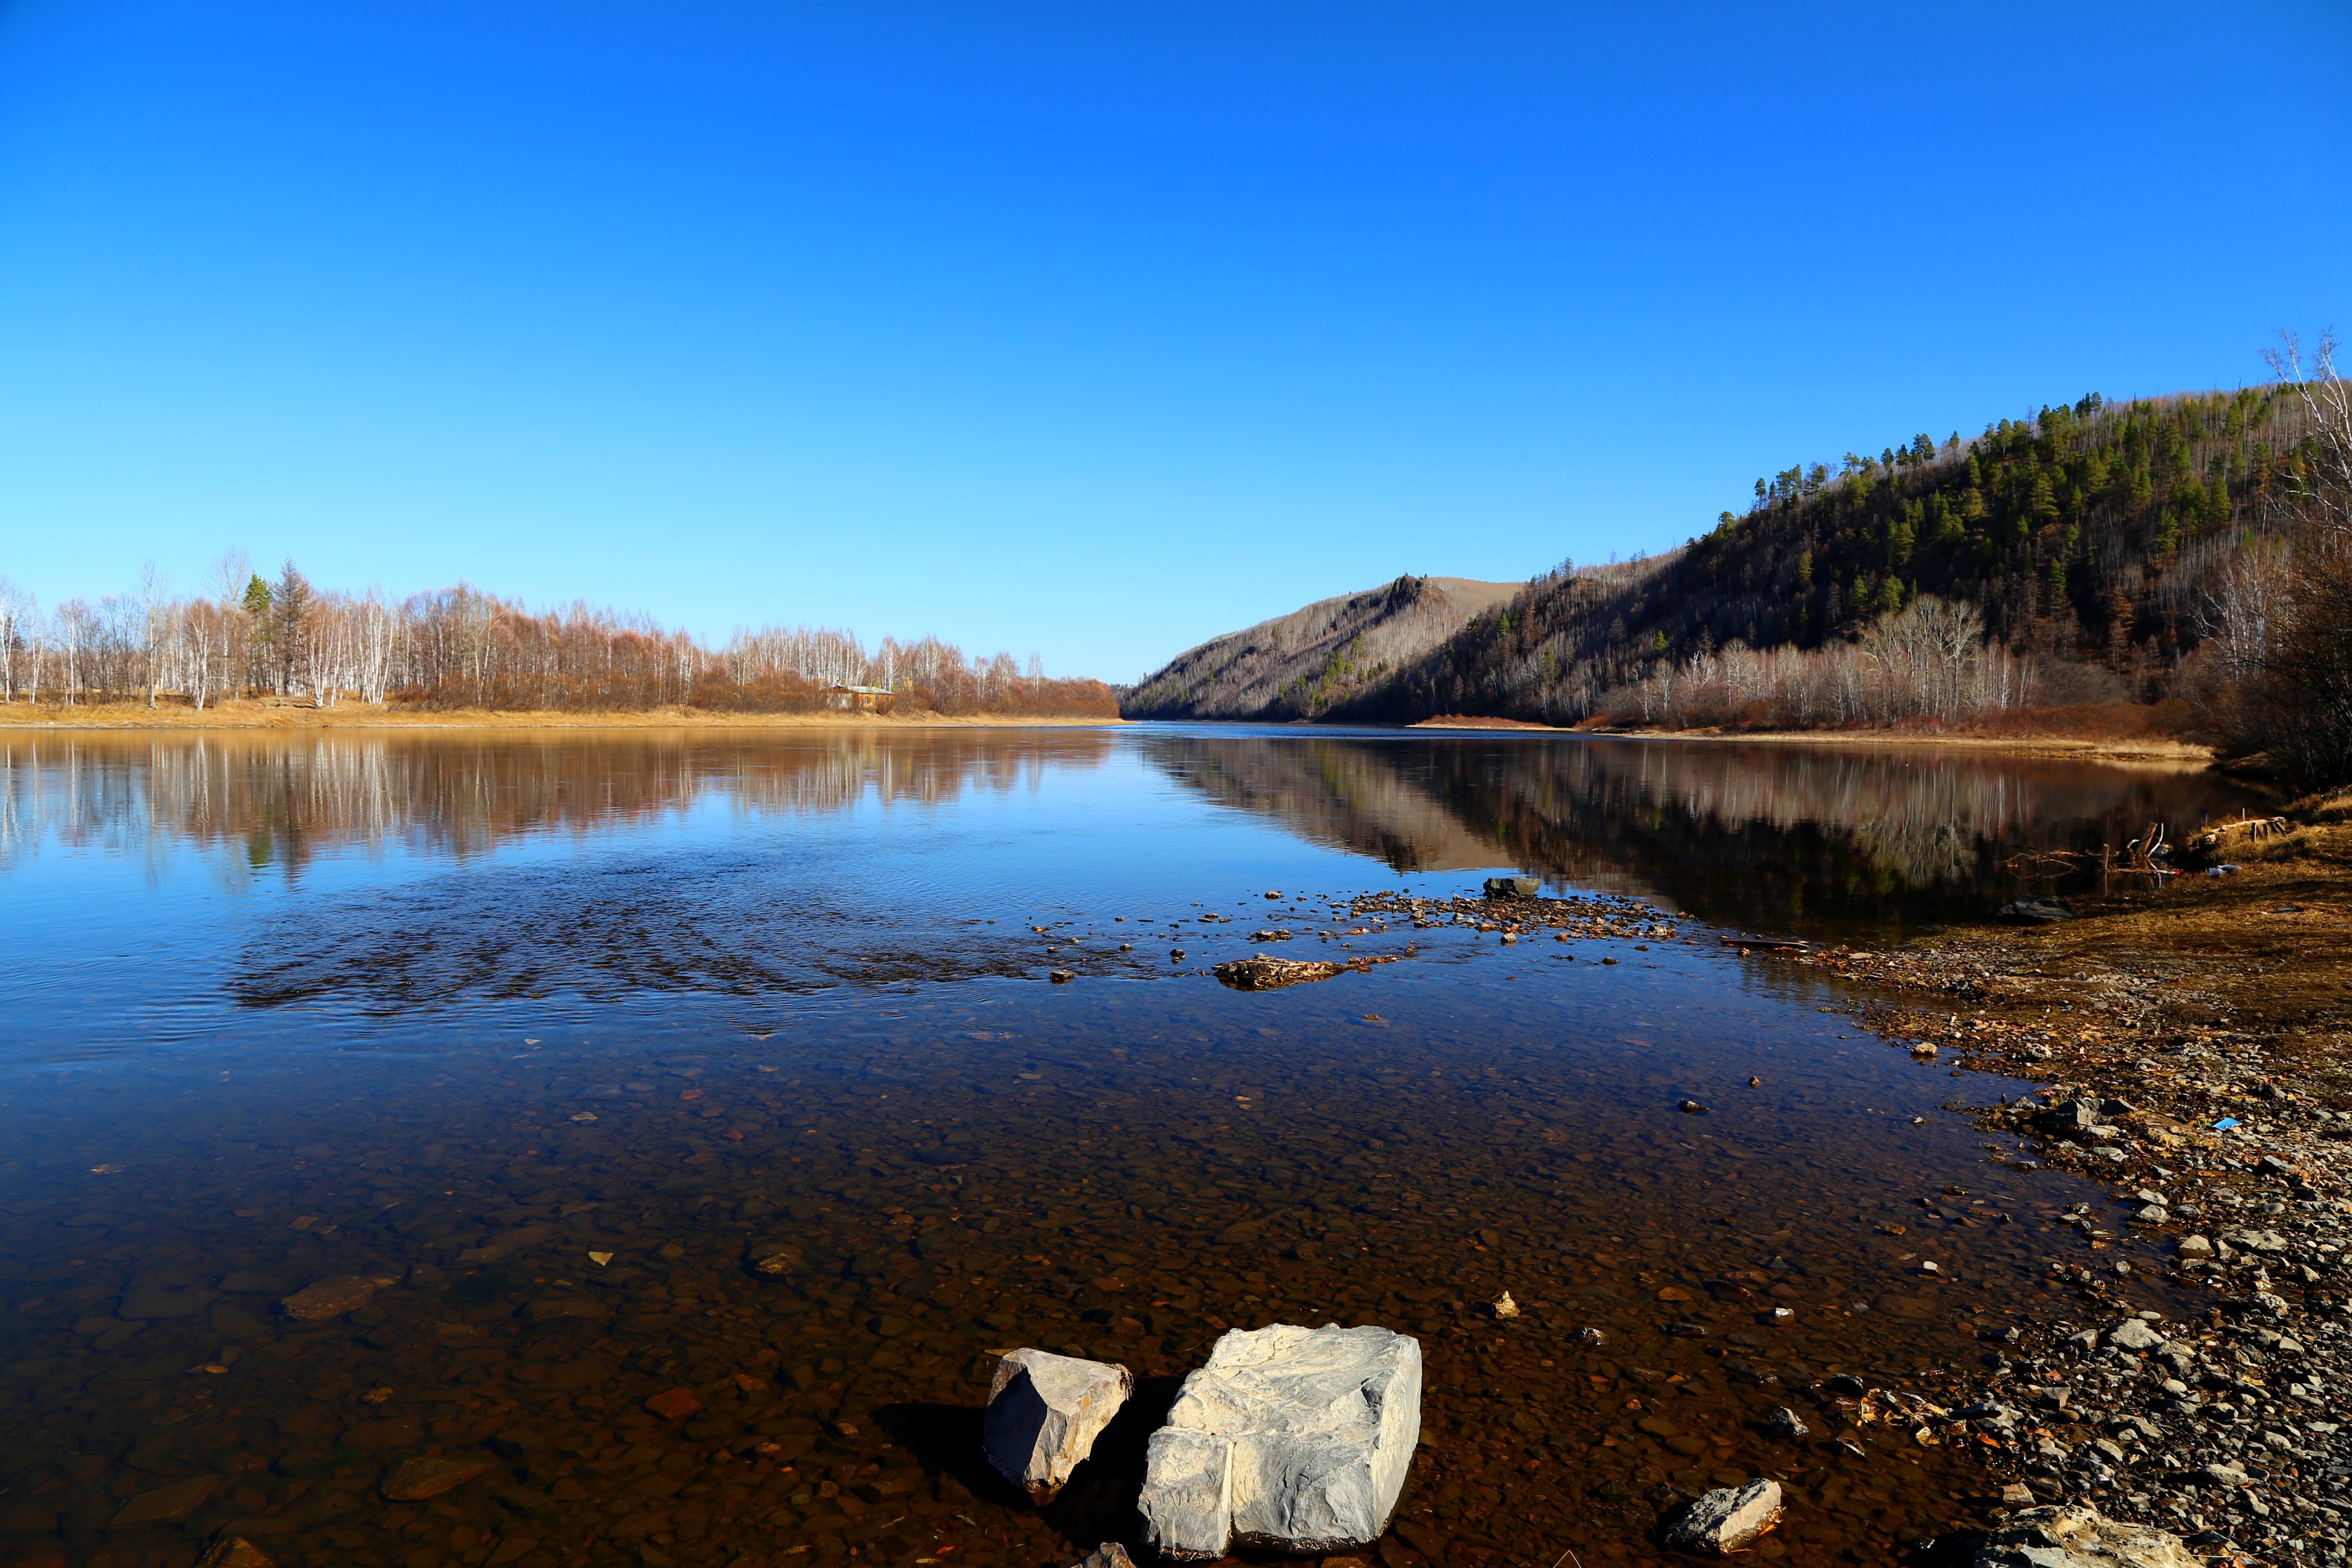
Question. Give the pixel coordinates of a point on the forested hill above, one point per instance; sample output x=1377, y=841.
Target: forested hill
x=2084, y=535
x=1297, y=665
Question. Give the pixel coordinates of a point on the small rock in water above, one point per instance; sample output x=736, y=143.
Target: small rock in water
x=416, y=1479
x=1512, y=887
x=1109, y=1554
x=674, y=1404
x=164, y=1505
x=1590, y=1335
x=1786, y=1424
x=329, y=1298
x=1727, y=1519
x=1504, y=1307
x=1062, y=977
x=1290, y=1438
x=1044, y=1412
x=234, y=1552
x=774, y=1259
x=1690, y=1108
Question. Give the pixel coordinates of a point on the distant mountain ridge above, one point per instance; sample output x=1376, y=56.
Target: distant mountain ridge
x=1300, y=665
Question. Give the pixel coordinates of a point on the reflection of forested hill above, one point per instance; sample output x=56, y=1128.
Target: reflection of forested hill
x=1343, y=793
x=1750, y=835
x=285, y=799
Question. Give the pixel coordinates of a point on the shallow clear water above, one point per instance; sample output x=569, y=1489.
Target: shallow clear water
x=458, y=1011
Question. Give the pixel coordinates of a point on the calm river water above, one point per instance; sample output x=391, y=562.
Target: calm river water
x=551, y=1035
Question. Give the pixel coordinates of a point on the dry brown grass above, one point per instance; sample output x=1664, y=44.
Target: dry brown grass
x=268, y=714
x=2120, y=748
x=2270, y=942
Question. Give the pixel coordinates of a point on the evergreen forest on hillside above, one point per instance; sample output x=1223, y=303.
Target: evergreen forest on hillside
x=2095, y=552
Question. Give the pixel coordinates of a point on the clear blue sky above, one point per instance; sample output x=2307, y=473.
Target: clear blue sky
x=1089, y=330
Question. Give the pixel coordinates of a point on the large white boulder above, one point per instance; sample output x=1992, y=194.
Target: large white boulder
x=1044, y=1412
x=1290, y=1438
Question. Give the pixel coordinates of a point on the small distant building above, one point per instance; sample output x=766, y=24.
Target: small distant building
x=860, y=699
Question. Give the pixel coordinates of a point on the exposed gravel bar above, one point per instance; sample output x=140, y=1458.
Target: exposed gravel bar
x=2210, y=1095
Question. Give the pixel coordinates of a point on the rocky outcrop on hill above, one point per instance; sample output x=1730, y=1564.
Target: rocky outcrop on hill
x=1300, y=665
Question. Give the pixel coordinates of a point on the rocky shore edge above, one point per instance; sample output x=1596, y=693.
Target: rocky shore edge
x=2187, y=1045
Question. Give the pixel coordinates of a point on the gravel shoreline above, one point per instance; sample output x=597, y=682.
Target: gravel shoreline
x=2214, y=1413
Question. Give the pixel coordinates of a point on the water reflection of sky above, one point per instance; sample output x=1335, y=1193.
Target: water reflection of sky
x=372, y=983
x=168, y=882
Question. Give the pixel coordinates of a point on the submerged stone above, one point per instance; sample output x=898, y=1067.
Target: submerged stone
x=329, y=1298
x=1727, y=1519
x=416, y=1479
x=164, y=1505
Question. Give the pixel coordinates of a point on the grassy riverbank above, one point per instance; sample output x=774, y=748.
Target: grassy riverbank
x=275, y=716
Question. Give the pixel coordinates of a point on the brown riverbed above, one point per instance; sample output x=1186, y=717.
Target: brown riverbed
x=460, y=1104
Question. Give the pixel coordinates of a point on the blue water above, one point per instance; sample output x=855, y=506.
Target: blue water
x=279, y=1008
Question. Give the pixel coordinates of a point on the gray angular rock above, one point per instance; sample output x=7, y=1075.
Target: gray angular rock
x=1109, y=1554
x=2133, y=1334
x=2254, y=1241
x=1786, y=1423
x=1044, y=1412
x=2076, y=1536
x=2074, y=1115
x=1293, y=1438
x=1727, y=1519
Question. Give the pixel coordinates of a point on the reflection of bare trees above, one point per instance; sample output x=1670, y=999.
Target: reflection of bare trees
x=280, y=800
x=1724, y=828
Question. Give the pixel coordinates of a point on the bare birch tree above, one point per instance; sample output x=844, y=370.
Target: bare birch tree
x=2323, y=493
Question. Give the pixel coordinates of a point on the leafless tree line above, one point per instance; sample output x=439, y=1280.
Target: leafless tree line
x=1929, y=661
x=2299, y=700
x=462, y=648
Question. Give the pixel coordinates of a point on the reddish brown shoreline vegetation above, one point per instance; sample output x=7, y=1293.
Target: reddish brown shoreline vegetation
x=288, y=645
